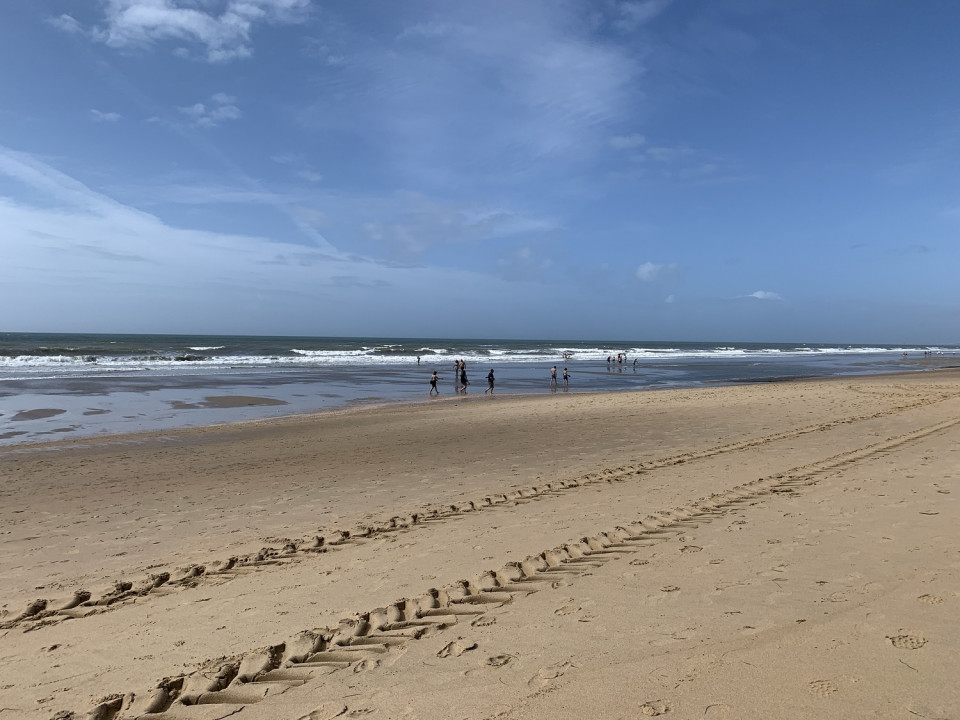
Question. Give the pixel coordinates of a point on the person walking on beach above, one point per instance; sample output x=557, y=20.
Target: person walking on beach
x=463, y=377
x=553, y=376
x=433, y=383
x=489, y=383
x=566, y=378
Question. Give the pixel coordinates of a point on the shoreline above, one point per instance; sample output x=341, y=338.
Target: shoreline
x=816, y=474
x=179, y=412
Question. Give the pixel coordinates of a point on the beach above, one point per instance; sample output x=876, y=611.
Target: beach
x=778, y=549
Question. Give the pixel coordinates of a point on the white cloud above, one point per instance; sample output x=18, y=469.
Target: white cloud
x=107, y=117
x=525, y=84
x=80, y=259
x=67, y=23
x=223, y=27
x=220, y=108
x=648, y=271
x=765, y=295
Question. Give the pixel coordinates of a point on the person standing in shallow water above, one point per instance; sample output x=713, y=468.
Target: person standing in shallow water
x=553, y=376
x=489, y=383
x=463, y=377
x=566, y=378
x=433, y=383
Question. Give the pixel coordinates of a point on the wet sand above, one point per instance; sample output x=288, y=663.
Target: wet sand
x=776, y=550
x=39, y=409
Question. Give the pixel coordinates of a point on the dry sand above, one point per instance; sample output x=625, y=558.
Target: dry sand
x=780, y=550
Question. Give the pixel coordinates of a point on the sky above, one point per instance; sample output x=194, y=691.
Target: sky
x=698, y=170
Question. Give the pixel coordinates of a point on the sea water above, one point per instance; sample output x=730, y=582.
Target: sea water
x=68, y=385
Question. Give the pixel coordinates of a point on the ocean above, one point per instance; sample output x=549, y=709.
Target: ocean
x=74, y=385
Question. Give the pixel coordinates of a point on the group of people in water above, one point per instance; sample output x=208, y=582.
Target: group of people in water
x=553, y=377
x=620, y=359
x=460, y=377
x=617, y=362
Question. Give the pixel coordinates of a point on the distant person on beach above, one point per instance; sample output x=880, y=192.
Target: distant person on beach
x=489, y=383
x=566, y=378
x=463, y=377
x=418, y=359
x=433, y=383
x=553, y=376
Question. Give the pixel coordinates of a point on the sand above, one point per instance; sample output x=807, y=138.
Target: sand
x=778, y=550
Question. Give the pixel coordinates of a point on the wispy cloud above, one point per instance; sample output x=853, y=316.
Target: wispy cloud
x=219, y=108
x=630, y=15
x=419, y=223
x=118, y=261
x=489, y=95
x=104, y=117
x=301, y=168
x=669, y=154
x=67, y=23
x=650, y=272
x=765, y=295
x=222, y=28
x=627, y=142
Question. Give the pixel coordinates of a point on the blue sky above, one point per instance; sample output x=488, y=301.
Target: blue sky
x=687, y=170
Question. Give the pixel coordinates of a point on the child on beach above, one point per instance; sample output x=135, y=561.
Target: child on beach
x=433, y=383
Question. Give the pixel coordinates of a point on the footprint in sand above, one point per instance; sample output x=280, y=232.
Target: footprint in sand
x=484, y=621
x=654, y=708
x=691, y=549
x=822, y=688
x=456, y=648
x=931, y=599
x=566, y=610
x=498, y=660
x=907, y=642
x=548, y=674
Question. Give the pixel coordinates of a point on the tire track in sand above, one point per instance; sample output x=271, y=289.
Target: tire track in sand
x=43, y=612
x=362, y=642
